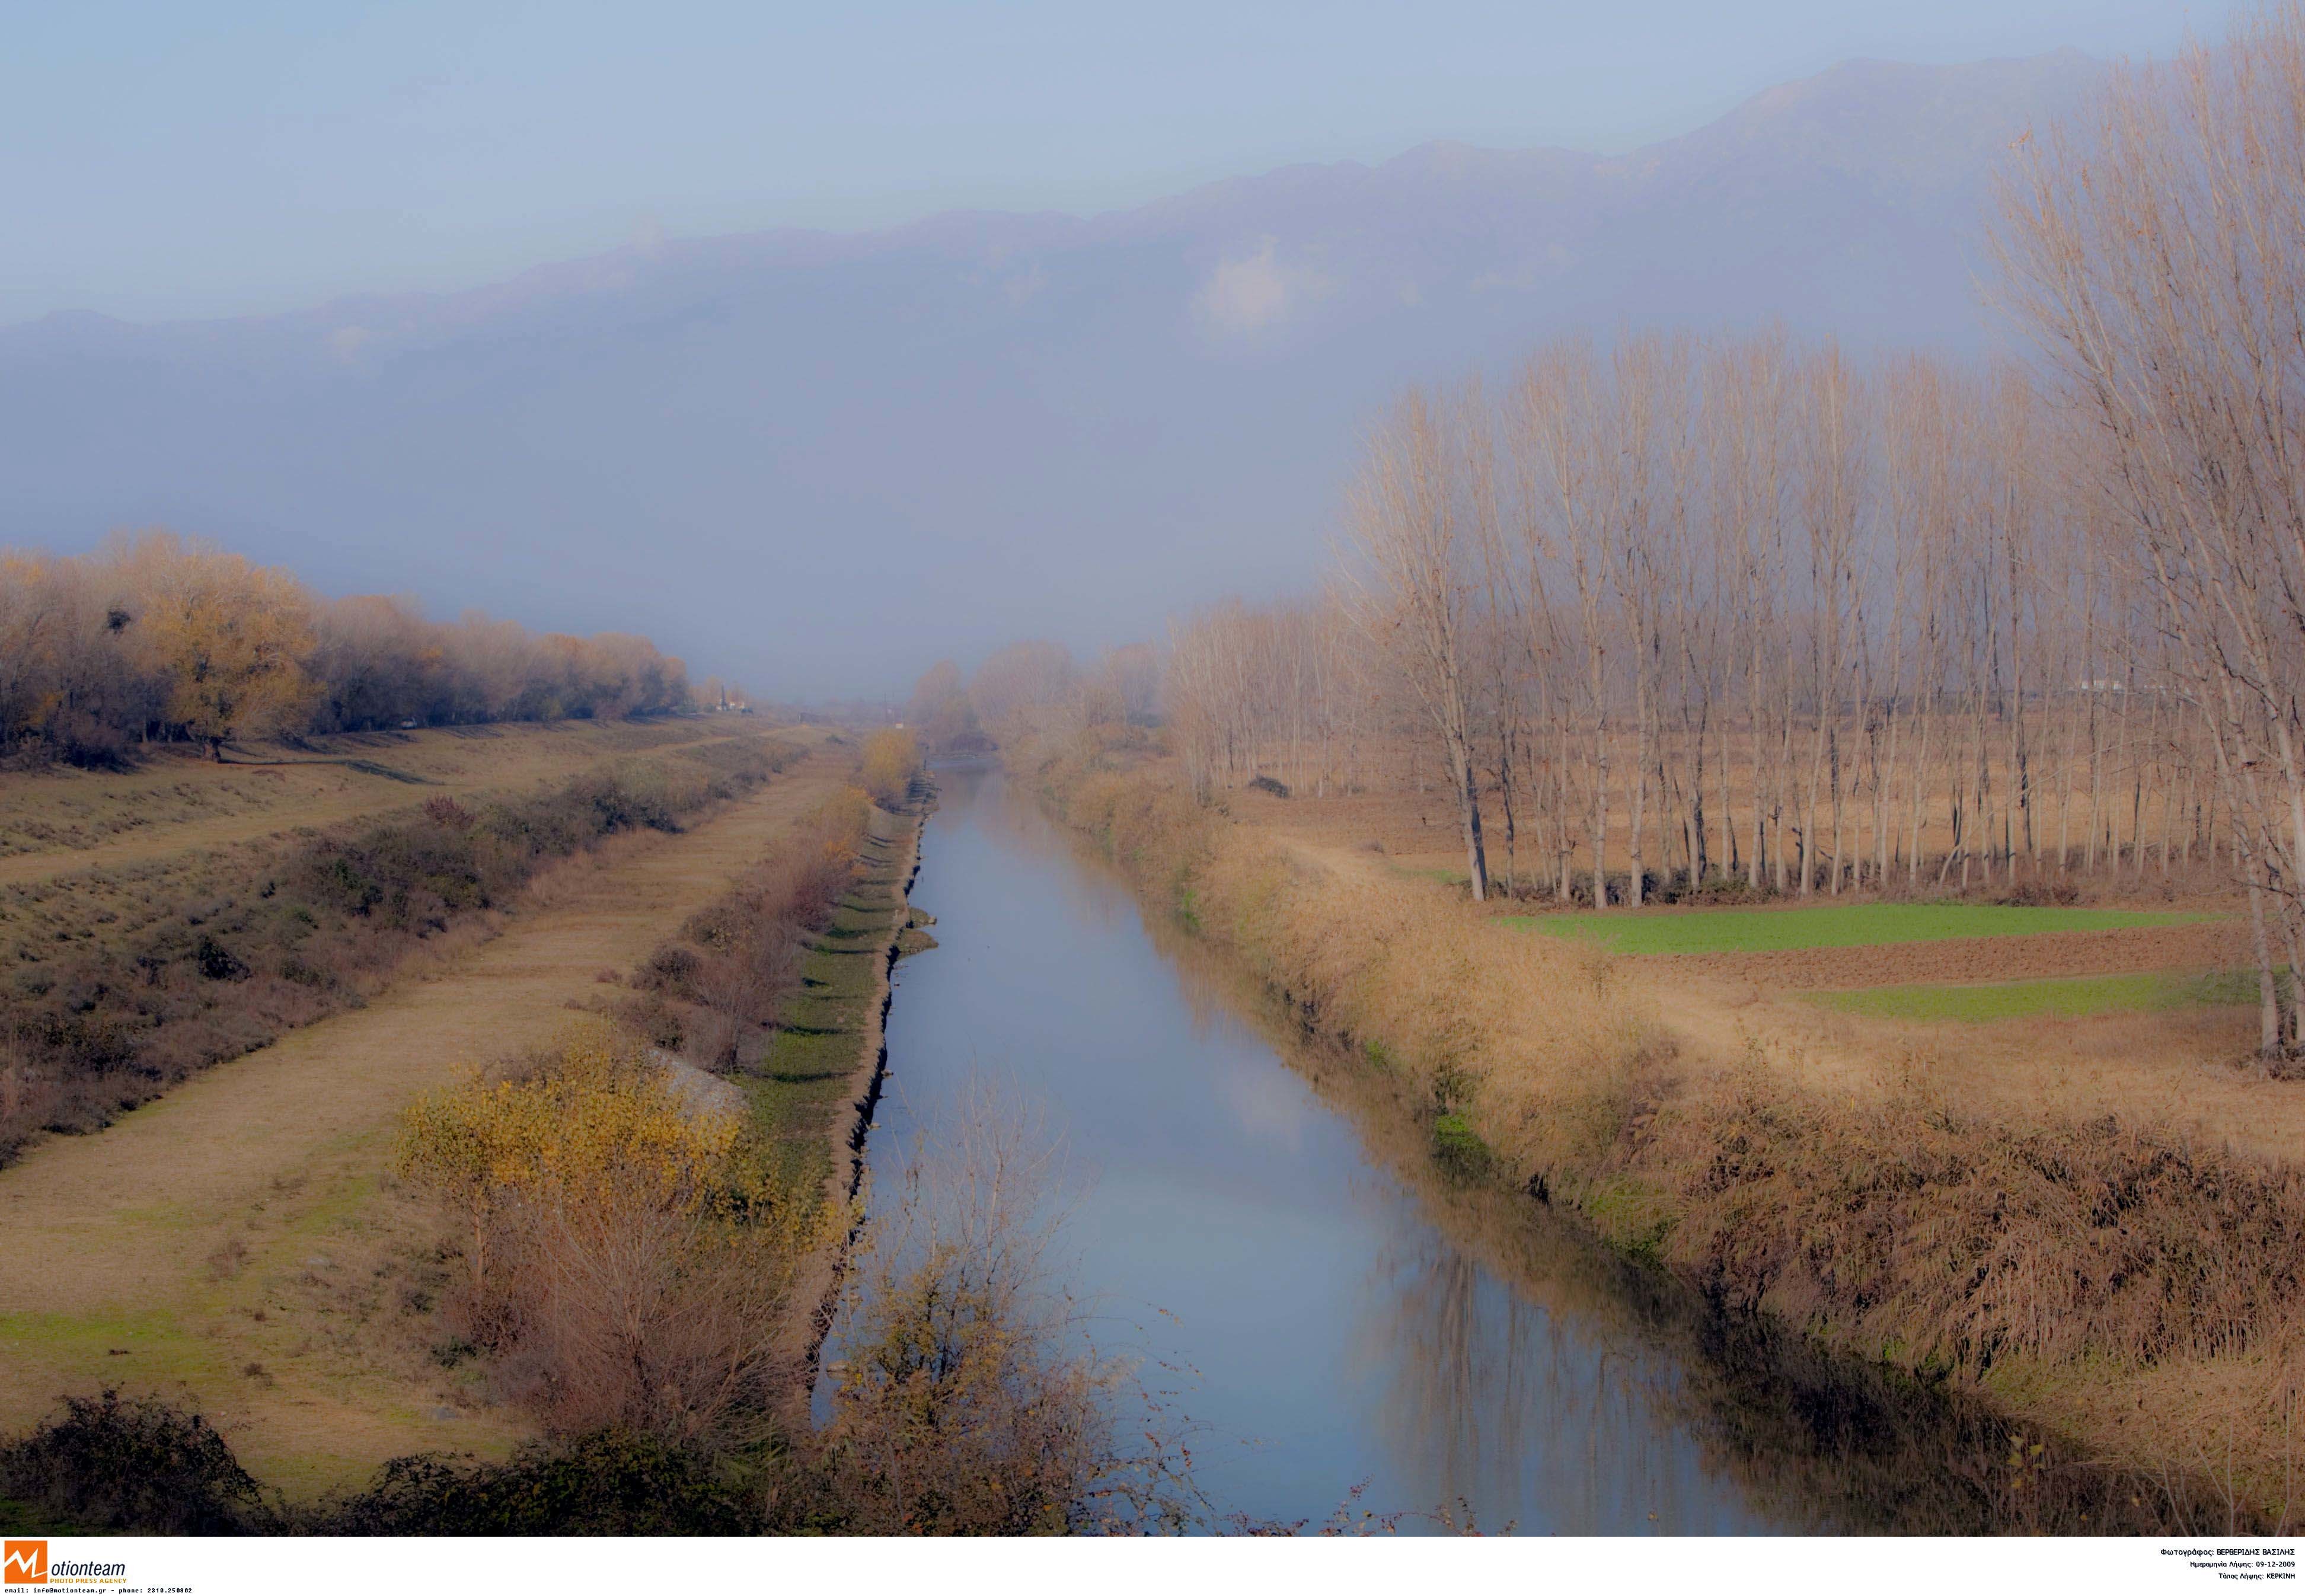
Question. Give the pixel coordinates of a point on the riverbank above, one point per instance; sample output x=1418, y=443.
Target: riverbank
x=2124, y=1294
x=240, y=1247
x=851, y=990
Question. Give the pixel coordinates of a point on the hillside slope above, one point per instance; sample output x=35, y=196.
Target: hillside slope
x=1025, y=416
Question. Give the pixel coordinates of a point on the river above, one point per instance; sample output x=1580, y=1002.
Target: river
x=1253, y=1210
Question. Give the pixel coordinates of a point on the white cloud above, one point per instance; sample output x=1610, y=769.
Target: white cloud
x=1254, y=291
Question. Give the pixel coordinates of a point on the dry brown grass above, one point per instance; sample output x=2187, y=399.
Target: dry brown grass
x=121, y=982
x=2040, y=1227
x=55, y=820
x=282, y=1153
x=2191, y=1071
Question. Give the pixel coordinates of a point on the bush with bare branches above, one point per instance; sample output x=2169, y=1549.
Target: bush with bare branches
x=626, y=1263
x=968, y=1398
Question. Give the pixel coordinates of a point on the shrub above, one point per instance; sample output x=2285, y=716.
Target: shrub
x=624, y=1265
x=134, y=1466
x=737, y=963
x=965, y=1400
x=448, y=814
x=2043, y=892
x=672, y=969
x=604, y=1482
x=217, y=962
x=892, y=758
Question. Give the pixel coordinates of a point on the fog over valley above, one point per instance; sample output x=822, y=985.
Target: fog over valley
x=1038, y=423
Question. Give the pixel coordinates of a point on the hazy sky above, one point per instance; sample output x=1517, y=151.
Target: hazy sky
x=196, y=159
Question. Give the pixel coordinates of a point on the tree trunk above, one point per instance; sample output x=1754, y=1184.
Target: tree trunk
x=1468, y=808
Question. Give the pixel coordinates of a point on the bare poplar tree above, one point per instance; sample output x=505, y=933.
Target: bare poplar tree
x=1413, y=509
x=2153, y=246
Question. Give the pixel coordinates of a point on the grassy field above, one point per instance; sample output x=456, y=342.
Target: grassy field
x=2145, y=991
x=117, y=980
x=60, y=819
x=1836, y=925
x=183, y=849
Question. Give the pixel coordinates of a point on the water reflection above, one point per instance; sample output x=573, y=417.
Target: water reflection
x=1260, y=1214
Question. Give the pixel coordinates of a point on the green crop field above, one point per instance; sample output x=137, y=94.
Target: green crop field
x=1835, y=925
x=2068, y=997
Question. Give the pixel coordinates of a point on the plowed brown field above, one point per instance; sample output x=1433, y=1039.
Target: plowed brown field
x=2207, y=946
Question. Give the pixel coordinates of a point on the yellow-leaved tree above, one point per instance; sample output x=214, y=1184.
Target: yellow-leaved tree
x=599, y=1122
x=891, y=760
x=231, y=638
x=621, y=1241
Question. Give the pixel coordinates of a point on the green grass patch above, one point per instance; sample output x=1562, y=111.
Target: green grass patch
x=805, y=1075
x=1836, y=925
x=2068, y=997
x=1631, y=1216
x=159, y=1344
x=1458, y=1148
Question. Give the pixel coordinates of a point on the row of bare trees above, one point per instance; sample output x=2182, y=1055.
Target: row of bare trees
x=1030, y=686
x=156, y=638
x=1677, y=611
x=2155, y=248
x=1281, y=691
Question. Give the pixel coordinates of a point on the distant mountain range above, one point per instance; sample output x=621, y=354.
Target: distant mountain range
x=819, y=461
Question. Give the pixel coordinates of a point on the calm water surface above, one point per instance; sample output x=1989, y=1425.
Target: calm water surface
x=1351, y=1319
